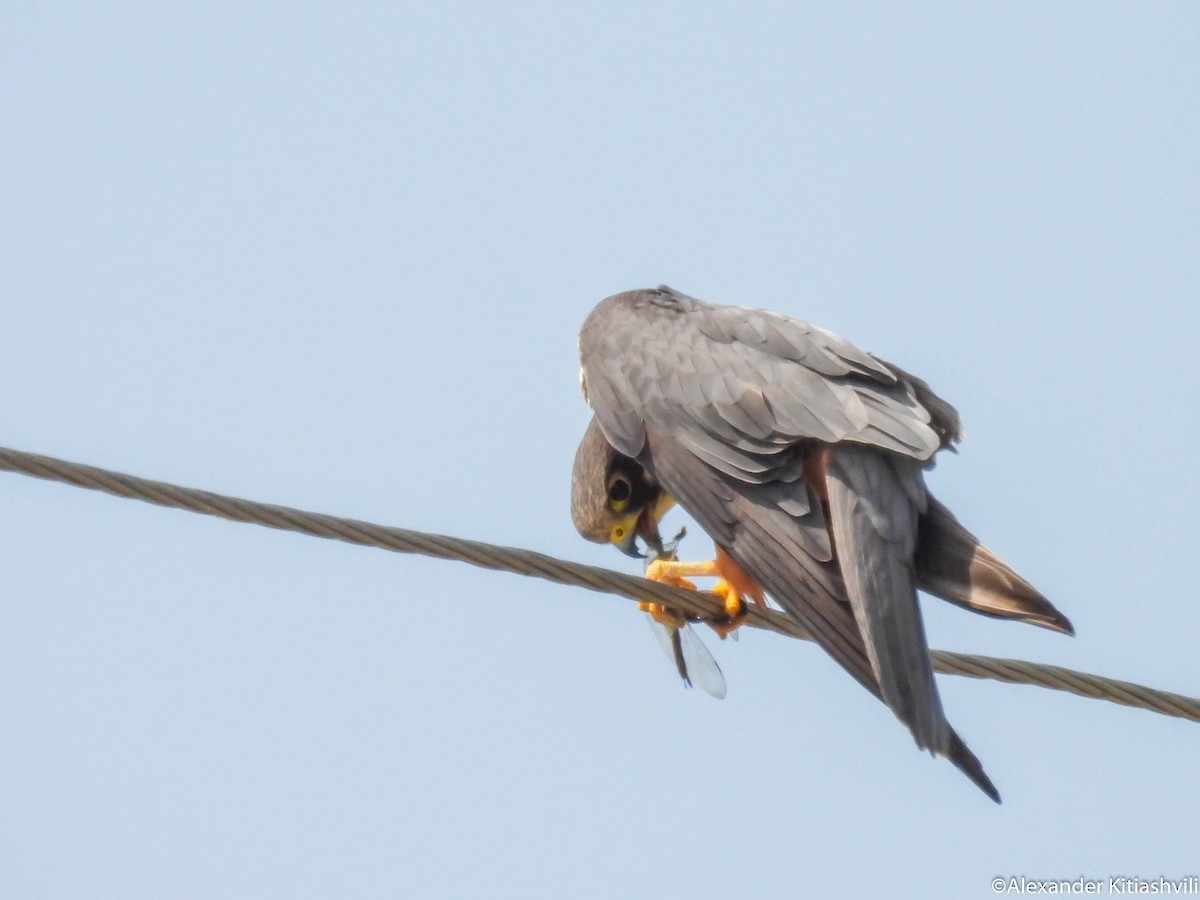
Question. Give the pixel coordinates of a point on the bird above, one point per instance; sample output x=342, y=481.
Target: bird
x=803, y=458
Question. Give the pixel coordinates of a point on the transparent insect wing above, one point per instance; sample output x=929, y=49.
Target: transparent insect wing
x=702, y=668
x=691, y=658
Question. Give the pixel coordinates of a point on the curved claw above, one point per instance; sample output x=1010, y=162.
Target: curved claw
x=663, y=615
x=735, y=609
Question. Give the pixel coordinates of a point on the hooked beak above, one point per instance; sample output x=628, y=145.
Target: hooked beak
x=629, y=545
x=646, y=529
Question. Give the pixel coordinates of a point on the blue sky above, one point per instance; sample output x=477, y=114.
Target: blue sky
x=337, y=256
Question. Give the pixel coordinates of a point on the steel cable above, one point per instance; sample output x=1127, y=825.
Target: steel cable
x=539, y=565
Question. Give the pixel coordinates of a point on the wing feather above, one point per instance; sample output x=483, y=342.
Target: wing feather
x=874, y=525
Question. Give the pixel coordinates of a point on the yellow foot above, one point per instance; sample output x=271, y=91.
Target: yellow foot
x=663, y=615
x=672, y=572
x=735, y=609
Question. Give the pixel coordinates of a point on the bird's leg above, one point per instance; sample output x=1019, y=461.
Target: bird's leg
x=672, y=571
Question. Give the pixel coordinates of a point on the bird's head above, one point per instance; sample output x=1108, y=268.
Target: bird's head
x=613, y=498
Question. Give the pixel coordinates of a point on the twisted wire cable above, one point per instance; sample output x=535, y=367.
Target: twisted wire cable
x=539, y=565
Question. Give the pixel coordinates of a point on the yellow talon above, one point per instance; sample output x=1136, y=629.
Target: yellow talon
x=735, y=609
x=664, y=615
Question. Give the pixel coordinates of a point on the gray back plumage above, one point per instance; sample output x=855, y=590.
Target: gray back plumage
x=741, y=386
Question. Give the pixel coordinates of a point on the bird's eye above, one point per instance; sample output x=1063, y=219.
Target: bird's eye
x=619, y=491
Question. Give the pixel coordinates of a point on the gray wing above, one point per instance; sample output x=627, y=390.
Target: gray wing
x=725, y=406
x=874, y=503
x=788, y=553
x=741, y=386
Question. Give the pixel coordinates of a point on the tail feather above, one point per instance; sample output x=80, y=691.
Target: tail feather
x=968, y=763
x=953, y=565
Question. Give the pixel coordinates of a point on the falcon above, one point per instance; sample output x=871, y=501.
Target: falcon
x=803, y=458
